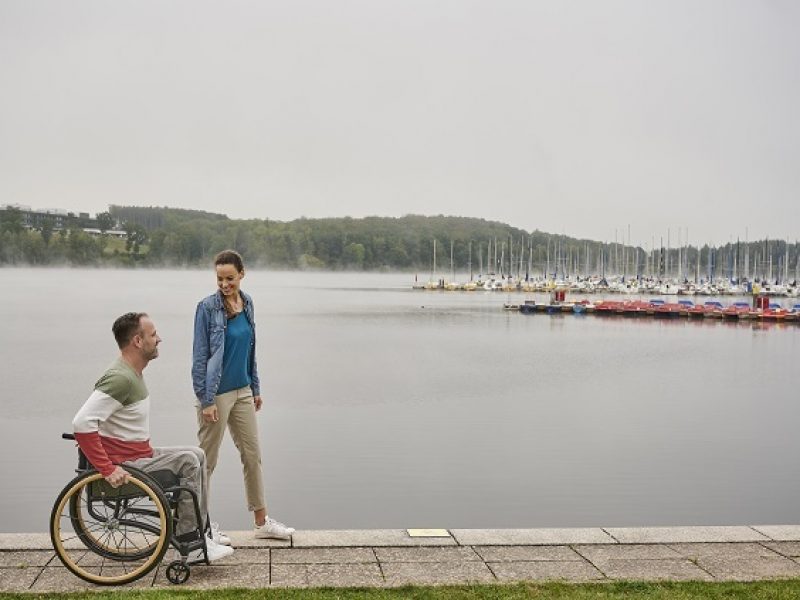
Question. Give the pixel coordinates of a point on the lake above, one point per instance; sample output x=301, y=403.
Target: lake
x=387, y=407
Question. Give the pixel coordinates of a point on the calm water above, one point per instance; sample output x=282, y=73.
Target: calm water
x=387, y=407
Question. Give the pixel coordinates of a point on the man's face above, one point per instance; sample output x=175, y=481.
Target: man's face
x=147, y=339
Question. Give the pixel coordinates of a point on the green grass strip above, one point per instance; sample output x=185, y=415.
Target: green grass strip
x=760, y=590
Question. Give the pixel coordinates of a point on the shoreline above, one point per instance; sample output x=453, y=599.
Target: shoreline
x=394, y=557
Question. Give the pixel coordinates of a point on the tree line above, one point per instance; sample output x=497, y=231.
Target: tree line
x=168, y=237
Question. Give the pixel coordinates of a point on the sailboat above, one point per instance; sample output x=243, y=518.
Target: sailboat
x=432, y=283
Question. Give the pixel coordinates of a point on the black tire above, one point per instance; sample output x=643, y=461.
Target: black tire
x=111, y=536
x=178, y=572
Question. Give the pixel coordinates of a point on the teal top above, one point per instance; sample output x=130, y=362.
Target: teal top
x=236, y=356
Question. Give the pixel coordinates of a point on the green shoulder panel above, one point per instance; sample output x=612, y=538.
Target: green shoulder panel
x=122, y=383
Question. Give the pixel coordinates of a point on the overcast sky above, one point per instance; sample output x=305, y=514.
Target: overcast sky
x=576, y=117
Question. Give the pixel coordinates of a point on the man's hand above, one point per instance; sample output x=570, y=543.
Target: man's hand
x=210, y=414
x=257, y=402
x=118, y=477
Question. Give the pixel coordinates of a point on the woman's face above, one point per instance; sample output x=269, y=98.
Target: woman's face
x=228, y=280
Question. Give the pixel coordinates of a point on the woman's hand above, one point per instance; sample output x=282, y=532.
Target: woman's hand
x=257, y=402
x=210, y=414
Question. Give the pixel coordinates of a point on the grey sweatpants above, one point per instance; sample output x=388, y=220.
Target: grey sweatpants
x=188, y=463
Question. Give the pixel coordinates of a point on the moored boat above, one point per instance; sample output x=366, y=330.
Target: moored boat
x=736, y=310
x=685, y=305
x=713, y=309
x=668, y=310
x=794, y=314
x=634, y=308
x=698, y=311
x=607, y=307
x=774, y=313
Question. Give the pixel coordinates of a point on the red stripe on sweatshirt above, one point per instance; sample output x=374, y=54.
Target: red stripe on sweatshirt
x=105, y=452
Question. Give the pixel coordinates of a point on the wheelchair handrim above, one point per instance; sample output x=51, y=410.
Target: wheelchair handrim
x=65, y=556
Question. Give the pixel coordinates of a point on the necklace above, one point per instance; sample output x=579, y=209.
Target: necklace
x=234, y=307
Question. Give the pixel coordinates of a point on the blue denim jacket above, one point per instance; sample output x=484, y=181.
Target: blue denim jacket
x=209, y=346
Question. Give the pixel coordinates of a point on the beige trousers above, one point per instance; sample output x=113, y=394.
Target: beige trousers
x=238, y=413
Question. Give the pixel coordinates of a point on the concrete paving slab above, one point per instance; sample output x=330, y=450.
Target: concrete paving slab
x=780, y=533
x=59, y=579
x=295, y=556
x=653, y=570
x=750, y=569
x=526, y=553
x=791, y=549
x=364, y=537
x=245, y=539
x=27, y=558
x=567, y=570
x=674, y=535
x=437, y=573
x=17, y=580
x=525, y=537
x=217, y=577
x=605, y=552
x=25, y=541
x=246, y=556
x=426, y=555
x=724, y=551
x=341, y=575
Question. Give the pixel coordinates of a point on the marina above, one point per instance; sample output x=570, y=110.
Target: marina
x=710, y=309
x=618, y=285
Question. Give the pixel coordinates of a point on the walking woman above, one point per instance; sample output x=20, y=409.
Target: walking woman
x=226, y=385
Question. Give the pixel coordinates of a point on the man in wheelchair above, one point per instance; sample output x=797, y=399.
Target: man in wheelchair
x=112, y=429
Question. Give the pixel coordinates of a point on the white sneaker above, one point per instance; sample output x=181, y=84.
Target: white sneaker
x=218, y=535
x=273, y=529
x=215, y=552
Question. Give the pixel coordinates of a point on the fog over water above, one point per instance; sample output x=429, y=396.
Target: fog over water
x=388, y=407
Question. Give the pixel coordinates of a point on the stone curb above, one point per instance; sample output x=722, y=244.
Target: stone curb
x=482, y=537
x=393, y=557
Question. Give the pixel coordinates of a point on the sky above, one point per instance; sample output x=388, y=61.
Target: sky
x=582, y=117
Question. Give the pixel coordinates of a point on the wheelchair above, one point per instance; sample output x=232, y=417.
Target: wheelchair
x=113, y=536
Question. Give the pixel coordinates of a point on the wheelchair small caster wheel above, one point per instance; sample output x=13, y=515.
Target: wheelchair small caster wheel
x=177, y=572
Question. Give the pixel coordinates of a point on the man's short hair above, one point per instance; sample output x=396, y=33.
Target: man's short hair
x=127, y=326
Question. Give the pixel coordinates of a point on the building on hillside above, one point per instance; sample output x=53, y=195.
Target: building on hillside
x=58, y=217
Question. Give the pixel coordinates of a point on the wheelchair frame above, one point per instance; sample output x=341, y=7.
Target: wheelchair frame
x=113, y=536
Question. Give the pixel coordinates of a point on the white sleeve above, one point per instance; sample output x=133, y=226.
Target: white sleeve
x=98, y=408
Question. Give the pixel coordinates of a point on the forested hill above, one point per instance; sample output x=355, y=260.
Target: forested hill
x=372, y=243
x=166, y=237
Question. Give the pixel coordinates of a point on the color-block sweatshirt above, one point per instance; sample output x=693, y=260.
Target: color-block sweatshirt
x=113, y=425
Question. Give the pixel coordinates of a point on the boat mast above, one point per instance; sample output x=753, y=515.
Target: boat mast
x=710, y=274
x=530, y=258
x=547, y=271
x=746, y=256
x=452, y=266
x=470, y=260
x=697, y=268
x=786, y=264
x=494, y=264
x=433, y=268
x=666, y=268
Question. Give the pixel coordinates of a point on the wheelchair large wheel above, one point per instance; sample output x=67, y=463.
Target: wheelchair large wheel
x=111, y=536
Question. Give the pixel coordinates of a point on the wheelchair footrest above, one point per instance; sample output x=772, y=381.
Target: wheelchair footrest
x=188, y=543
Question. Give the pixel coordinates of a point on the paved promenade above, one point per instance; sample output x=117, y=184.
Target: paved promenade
x=381, y=558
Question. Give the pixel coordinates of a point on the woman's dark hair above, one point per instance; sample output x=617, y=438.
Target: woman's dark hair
x=127, y=326
x=230, y=257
